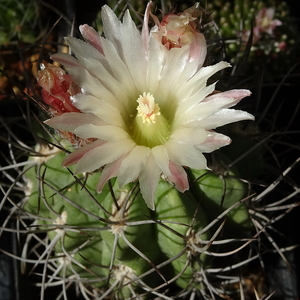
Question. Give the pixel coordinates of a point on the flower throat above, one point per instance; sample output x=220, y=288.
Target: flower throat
x=149, y=127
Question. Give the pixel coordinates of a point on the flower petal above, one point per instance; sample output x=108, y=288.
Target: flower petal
x=184, y=155
x=223, y=117
x=91, y=85
x=133, y=164
x=91, y=36
x=103, y=110
x=179, y=177
x=213, y=142
x=75, y=156
x=66, y=59
x=199, y=79
x=228, y=98
x=130, y=35
x=191, y=101
x=189, y=136
x=104, y=74
x=83, y=49
x=111, y=24
x=110, y=170
x=105, y=132
x=107, y=153
x=198, y=49
x=149, y=178
x=118, y=68
x=213, y=104
x=70, y=121
x=161, y=158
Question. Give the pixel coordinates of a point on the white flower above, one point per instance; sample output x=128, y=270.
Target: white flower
x=148, y=107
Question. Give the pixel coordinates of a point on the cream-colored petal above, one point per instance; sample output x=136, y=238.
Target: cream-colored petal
x=227, y=99
x=104, y=74
x=199, y=79
x=162, y=159
x=185, y=155
x=107, y=153
x=212, y=104
x=178, y=177
x=118, y=68
x=66, y=60
x=75, y=156
x=110, y=170
x=190, y=102
x=70, y=121
x=223, y=117
x=135, y=57
x=213, y=142
x=105, y=132
x=198, y=49
x=111, y=24
x=83, y=49
x=189, y=136
x=103, y=110
x=176, y=61
x=91, y=36
x=133, y=164
x=156, y=61
x=91, y=85
x=149, y=178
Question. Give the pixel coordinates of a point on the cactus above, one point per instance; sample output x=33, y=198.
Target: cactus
x=112, y=240
x=198, y=243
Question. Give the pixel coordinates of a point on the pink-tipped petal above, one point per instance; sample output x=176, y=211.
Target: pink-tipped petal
x=185, y=155
x=75, y=156
x=223, y=117
x=228, y=98
x=70, y=121
x=110, y=170
x=66, y=60
x=107, y=153
x=178, y=177
x=91, y=36
x=198, y=49
x=213, y=142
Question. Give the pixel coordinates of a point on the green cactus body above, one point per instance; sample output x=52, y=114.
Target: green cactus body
x=110, y=240
x=123, y=274
x=132, y=208
x=217, y=193
x=58, y=199
x=130, y=249
x=179, y=219
x=85, y=263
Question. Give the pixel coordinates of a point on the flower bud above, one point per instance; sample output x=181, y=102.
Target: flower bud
x=57, y=88
x=179, y=30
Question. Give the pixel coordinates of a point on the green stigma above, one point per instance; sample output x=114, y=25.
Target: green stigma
x=149, y=128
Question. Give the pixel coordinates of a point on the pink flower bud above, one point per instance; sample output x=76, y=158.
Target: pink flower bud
x=179, y=30
x=57, y=88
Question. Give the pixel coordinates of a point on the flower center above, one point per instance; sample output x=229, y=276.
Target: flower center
x=266, y=22
x=149, y=128
x=147, y=109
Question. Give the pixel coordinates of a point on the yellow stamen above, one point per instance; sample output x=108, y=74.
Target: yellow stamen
x=147, y=109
